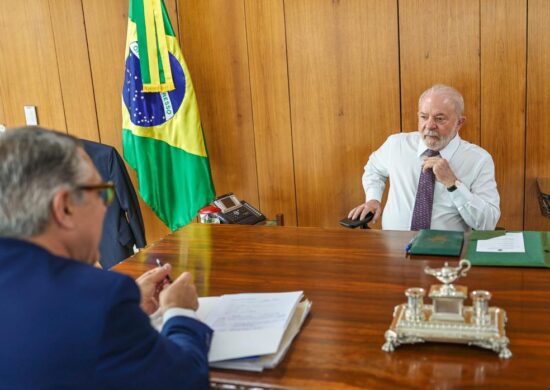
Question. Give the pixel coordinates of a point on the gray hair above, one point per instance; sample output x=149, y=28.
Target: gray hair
x=450, y=92
x=35, y=163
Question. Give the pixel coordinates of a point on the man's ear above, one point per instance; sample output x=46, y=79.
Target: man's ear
x=63, y=207
x=461, y=121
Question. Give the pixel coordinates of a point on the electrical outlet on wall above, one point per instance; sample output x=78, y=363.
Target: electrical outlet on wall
x=2, y=128
x=30, y=115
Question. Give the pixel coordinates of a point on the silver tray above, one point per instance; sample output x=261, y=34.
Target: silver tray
x=490, y=335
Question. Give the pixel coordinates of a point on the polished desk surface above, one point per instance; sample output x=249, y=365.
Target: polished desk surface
x=354, y=279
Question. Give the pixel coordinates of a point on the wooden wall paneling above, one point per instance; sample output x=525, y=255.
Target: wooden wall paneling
x=265, y=26
x=2, y=98
x=2, y=95
x=106, y=25
x=29, y=73
x=503, y=79
x=344, y=93
x=74, y=68
x=214, y=45
x=538, y=104
x=439, y=43
x=172, y=8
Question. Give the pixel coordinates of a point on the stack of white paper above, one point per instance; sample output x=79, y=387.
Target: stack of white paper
x=251, y=331
x=258, y=363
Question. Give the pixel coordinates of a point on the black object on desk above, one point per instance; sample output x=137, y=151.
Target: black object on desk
x=237, y=211
x=353, y=223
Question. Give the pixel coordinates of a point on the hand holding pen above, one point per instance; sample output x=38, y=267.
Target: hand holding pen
x=150, y=284
x=168, y=278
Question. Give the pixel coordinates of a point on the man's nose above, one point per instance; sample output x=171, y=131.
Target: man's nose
x=430, y=123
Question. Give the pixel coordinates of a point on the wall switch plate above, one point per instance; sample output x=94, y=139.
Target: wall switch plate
x=2, y=128
x=30, y=115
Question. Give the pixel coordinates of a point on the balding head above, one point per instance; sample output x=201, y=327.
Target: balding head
x=448, y=92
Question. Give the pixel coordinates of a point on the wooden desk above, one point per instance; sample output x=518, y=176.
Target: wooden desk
x=354, y=279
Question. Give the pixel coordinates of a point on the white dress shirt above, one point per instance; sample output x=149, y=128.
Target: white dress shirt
x=474, y=204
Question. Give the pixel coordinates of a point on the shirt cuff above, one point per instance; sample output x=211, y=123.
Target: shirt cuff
x=461, y=195
x=373, y=194
x=178, y=312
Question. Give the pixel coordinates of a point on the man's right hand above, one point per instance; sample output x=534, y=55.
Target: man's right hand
x=361, y=211
x=181, y=293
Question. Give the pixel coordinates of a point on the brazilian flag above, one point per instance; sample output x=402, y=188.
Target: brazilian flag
x=162, y=136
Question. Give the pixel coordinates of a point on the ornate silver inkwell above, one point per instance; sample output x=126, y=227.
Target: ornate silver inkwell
x=447, y=319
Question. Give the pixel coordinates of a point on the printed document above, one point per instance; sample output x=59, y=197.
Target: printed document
x=258, y=327
x=508, y=243
x=249, y=324
x=259, y=363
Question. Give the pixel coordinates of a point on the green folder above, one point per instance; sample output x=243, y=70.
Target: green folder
x=437, y=242
x=537, y=252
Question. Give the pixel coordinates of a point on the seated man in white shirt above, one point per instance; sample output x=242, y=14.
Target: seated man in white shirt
x=465, y=192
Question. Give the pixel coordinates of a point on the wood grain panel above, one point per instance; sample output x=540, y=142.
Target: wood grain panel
x=2, y=98
x=344, y=93
x=215, y=48
x=503, y=88
x=106, y=23
x=29, y=69
x=439, y=43
x=74, y=68
x=538, y=103
x=271, y=108
x=172, y=8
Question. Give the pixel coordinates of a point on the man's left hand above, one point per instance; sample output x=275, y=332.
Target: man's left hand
x=441, y=169
x=150, y=284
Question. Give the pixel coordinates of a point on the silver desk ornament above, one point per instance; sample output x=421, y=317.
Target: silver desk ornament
x=447, y=319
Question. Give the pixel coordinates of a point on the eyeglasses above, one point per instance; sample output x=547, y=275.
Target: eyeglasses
x=106, y=191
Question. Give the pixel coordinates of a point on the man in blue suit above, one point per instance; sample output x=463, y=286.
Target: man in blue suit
x=63, y=322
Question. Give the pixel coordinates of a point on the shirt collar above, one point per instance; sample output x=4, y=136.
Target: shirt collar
x=447, y=152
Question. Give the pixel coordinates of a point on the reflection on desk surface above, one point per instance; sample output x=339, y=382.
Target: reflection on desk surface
x=450, y=372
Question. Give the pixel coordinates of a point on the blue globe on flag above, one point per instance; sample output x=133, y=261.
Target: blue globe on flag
x=149, y=109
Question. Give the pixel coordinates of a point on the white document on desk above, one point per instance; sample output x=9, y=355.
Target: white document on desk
x=259, y=363
x=509, y=243
x=247, y=324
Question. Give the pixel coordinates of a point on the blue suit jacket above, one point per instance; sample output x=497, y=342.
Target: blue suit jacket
x=65, y=324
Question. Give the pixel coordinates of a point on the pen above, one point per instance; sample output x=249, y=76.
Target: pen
x=167, y=276
x=409, y=245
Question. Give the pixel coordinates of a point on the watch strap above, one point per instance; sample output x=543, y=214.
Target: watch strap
x=453, y=187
